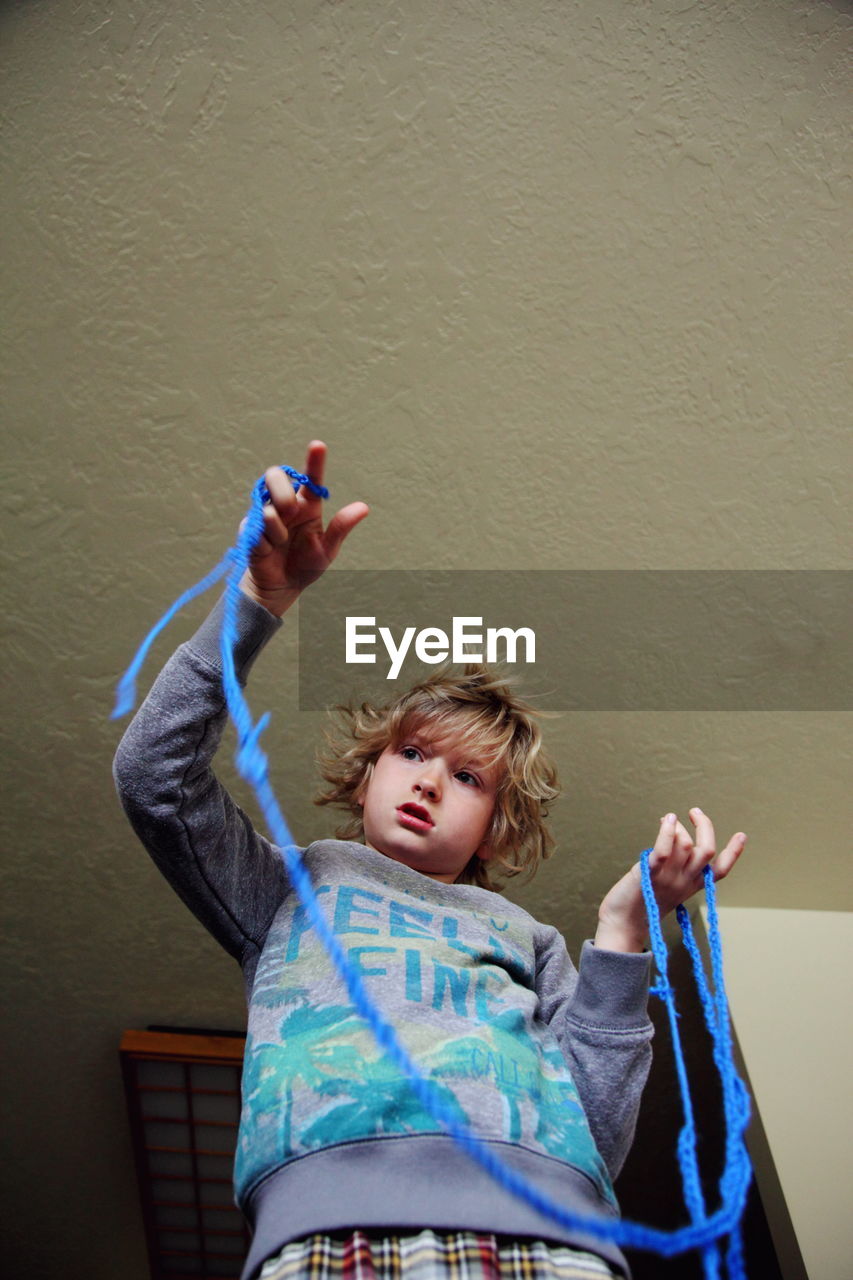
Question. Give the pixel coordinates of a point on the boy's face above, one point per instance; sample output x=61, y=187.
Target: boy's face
x=429, y=804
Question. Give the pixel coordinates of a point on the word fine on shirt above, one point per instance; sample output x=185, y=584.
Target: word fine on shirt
x=473, y=984
x=432, y=644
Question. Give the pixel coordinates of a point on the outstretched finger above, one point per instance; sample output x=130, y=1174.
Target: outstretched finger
x=341, y=525
x=683, y=842
x=706, y=839
x=315, y=464
x=684, y=852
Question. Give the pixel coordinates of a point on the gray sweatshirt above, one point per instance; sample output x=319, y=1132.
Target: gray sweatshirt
x=546, y=1064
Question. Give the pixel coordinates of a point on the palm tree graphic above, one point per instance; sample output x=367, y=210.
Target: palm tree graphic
x=308, y=1052
x=379, y=1101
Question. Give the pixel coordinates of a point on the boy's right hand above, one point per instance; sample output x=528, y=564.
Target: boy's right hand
x=295, y=549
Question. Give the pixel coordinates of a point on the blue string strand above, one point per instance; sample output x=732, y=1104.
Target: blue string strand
x=687, y=1155
x=736, y=1104
x=705, y=1230
x=126, y=687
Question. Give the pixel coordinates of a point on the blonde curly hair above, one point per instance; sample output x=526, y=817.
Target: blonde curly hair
x=486, y=717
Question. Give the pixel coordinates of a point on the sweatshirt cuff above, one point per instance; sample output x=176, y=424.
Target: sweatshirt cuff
x=255, y=628
x=613, y=987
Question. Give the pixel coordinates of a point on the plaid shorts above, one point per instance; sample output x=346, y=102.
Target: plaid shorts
x=430, y=1255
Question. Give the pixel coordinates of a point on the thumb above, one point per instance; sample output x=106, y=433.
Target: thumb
x=341, y=525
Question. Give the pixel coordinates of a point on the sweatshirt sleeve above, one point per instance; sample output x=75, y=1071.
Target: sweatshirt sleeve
x=599, y=1015
x=229, y=875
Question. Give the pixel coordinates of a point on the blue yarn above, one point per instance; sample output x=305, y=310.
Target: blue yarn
x=126, y=688
x=705, y=1230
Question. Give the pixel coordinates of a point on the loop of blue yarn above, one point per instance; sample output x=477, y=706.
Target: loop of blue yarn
x=705, y=1230
x=736, y=1105
x=319, y=490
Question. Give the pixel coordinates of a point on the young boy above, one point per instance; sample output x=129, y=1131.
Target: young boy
x=339, y=1168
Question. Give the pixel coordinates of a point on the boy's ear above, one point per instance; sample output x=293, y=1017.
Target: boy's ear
x=361, y=794
x=485, y=852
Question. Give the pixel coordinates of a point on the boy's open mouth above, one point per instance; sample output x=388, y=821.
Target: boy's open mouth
x=415, y=816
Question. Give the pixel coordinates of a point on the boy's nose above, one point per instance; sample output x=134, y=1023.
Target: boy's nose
x=428, y=786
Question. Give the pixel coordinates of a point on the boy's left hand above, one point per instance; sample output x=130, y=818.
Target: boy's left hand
x=676, y=863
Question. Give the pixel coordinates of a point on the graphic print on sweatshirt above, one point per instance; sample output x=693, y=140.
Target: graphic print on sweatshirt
x=457, y=985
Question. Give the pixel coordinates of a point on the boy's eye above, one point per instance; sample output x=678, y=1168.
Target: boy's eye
x=468, y=778
x=410, y=753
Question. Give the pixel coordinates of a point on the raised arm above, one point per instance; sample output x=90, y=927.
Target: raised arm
x=230, y=876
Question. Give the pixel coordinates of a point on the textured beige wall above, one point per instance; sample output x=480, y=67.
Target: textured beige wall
x=562, y=285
